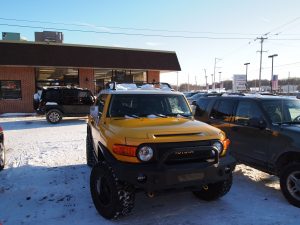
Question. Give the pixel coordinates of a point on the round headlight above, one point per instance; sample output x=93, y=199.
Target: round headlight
x=145, y=153
x=219, y=146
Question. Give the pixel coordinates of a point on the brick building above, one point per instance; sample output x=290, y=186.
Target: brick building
x=26, y=67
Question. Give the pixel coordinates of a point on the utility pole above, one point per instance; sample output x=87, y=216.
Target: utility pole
x=212, y=81
x=261, y=51
x=206, y=87
x=215, y=70
x=272, y=56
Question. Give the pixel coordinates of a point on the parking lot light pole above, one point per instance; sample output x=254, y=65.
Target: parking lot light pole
x=220, y=82
x=246, y=64
x=272, y=56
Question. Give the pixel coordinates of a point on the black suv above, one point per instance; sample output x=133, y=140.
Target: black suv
x=264, y=133
x=57, y=102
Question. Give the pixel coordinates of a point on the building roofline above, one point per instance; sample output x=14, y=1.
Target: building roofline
x=21, y=53
x=85, y=46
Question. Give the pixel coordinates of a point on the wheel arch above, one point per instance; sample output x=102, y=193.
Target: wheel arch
x=100, y=150
x=285, y=159
x=54, y=108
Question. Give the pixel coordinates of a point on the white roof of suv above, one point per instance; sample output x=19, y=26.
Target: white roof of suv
x=143, y=89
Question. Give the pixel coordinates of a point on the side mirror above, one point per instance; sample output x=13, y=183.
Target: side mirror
x=94, y=111
x=258, y=123
x=193, y=107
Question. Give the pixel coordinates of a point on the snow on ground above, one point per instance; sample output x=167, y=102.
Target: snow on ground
x=46, y=181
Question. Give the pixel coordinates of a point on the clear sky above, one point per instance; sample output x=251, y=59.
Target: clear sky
x=199, y=31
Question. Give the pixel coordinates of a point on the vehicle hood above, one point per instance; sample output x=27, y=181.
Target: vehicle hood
x=177, y=129
x=295, y=128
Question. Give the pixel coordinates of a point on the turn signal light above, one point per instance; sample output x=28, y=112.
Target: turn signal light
x=226, y=144
x=125, y=150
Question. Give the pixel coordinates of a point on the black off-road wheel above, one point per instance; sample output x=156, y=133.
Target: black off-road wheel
x=2, y=157
x=214, y=191
x=112, y=197
x=90, y=158
x=290, y=183
x=54, y=116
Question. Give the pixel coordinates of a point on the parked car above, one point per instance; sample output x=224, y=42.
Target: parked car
x=147, y=140
x=264, y=133
x=58, y=102
x=190, y=94
x=194, y=98
x=2, y=150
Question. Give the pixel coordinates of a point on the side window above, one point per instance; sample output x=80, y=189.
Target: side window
x=202, y=104
x=222, y=110
x=245, y=111
x=52, y=96
x=70, y=97
x=85, y=98
x=101, y=102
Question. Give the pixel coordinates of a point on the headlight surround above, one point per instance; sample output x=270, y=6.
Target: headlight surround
x=219, y=146
x=145, y=153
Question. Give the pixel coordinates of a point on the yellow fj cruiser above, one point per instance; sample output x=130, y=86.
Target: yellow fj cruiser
x=145, y=138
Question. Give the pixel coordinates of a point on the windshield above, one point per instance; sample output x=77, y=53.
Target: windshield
x=196, y=96
x=142, y=105
x=283, y=110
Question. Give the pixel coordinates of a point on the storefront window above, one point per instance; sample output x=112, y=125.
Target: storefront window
x=56, y=77
x=10, y=89
x=102, y=76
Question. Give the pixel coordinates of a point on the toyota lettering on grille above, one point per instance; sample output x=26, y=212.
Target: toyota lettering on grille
x=184, y=153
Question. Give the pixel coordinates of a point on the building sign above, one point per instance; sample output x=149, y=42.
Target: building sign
x=239, y=83
x=275, y=82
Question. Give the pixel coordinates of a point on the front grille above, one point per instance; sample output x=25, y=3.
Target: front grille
x=184, y=152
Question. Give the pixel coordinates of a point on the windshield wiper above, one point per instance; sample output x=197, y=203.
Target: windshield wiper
x=131, y=116
x=290, y=122
x=160, y=115
x=179, y=115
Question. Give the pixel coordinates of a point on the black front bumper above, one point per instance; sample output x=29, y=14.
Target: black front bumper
x=156, y=177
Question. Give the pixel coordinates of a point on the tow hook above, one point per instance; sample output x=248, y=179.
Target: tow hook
x=150, y=194
x=205, y=187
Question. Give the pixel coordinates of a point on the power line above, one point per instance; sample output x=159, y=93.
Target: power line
x=128, y=34
x=281, y=26
x=126, y=28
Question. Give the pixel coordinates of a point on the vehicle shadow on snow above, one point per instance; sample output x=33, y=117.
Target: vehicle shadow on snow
x=36, y=194
x=265, y=183
x=61, y=195
x=39, y=122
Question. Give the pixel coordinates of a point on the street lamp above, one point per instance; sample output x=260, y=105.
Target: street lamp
x=272, y=56
x=246, y=64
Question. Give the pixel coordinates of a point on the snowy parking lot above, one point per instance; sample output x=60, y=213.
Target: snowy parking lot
x=46, y=181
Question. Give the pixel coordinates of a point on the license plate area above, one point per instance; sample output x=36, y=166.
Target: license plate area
x=190, y=177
